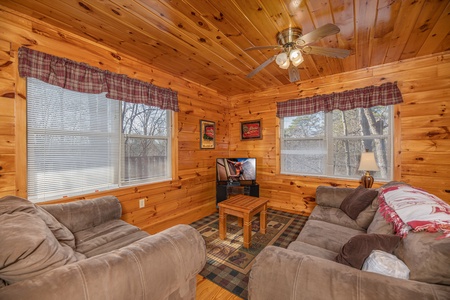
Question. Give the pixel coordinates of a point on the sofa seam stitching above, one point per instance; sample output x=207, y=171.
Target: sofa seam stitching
x=141, y=273
x=358, y=285
x=83, y=278
x=297, y=272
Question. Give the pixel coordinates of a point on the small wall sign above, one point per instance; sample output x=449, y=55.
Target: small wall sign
x=207, y=134
x=251, y=130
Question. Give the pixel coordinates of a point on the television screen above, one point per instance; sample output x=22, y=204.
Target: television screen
x=236, y=170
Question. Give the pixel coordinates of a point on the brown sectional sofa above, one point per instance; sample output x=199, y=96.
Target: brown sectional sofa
x=83, y=250
x=308, y=269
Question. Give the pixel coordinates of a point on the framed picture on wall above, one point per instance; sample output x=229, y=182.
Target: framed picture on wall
x=251, y=130
x=207, y=134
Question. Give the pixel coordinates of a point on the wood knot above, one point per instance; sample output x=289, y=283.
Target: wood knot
x=84, y=6
x=116, y=56
x=9, y=95
x=116, y=12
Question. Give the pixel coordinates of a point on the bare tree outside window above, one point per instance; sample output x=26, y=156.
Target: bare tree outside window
x=145, y=132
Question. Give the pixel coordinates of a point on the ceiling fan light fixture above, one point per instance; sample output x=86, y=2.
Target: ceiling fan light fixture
x=297, y=62
x=281, y=59
x=296, y=57
x=285, y=65
x=294, y=44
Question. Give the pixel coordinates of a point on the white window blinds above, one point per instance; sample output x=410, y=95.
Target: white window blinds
x=79, y=143
x=73, y=142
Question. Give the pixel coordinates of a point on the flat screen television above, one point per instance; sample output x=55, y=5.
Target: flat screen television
x=236, y=170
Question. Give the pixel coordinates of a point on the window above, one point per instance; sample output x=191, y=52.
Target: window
x=330, y=144
x=80, y=143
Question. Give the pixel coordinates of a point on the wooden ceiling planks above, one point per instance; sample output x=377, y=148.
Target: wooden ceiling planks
x=403, y=27
x=220, y=17
x=321, y=14
x=438, y=34
x=365, y=16
x=204, y=40
x=430, y=14
x=384, y=28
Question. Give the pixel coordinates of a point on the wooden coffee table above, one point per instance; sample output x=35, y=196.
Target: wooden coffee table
x=244, y=207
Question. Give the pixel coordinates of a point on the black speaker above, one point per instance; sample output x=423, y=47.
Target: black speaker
x=221, y=193
x=251, y=190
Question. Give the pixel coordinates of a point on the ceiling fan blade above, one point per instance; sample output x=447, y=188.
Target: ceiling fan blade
x=317, y=34
x=294, y=74
x=331, y=52
x=273, y=47
x=261, y=66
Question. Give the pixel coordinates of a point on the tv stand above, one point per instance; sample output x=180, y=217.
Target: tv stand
x=224, y=191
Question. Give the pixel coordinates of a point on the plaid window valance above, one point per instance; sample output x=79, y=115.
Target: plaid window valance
x=83, y=78
x=385, y=94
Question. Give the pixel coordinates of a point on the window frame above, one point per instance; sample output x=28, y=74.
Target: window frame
x=329, y=141
x=168, y=137
x=170, y=169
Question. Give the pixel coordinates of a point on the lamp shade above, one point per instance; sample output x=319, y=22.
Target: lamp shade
x=296, y=57
x=295, y=54
x=285, y=65
x=281, y=59
x=368, y=162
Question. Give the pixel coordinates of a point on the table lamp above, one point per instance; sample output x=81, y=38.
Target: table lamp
x=367, y=164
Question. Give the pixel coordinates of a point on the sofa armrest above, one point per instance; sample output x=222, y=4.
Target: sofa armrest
x=331, y=196
x=279, y=273
x=83, y=214
x=161, y=266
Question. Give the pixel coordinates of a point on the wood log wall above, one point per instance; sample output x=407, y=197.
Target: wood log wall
x=191, y=193
x=421, y=132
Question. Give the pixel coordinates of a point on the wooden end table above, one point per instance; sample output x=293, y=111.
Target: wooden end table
x=244, y=207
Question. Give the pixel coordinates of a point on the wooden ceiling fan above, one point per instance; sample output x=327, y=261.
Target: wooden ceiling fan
x=293, y=45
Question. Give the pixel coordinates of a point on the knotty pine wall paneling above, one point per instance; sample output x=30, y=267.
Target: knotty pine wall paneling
x=186, y=198
x=421, y=135
x=421, y=127
x=7, y=126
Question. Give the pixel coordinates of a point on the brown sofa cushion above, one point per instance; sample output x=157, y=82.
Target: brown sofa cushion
x=14, y=204
x=365, y=217
x=28, y=248
x=359, y=247
x=357, y=201
x=380, y=225
x=427, y=257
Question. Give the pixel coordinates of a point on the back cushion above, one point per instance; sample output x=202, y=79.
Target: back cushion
x=61, y=233
x=380, y=225
x=14, y=204
x=28, y=248
x=366, y=216
x=331, y=196
x=427, y=257
x=83, y=214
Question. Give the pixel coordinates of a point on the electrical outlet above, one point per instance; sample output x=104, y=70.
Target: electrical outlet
x=141, y=203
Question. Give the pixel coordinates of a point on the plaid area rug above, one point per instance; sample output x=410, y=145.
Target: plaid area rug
x=228, y=262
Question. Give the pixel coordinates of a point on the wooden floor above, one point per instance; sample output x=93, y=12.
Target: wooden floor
x=207, y=290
